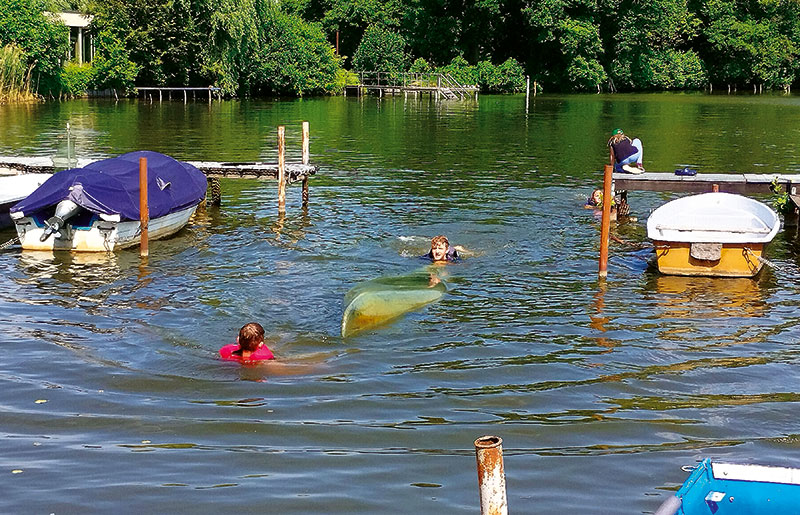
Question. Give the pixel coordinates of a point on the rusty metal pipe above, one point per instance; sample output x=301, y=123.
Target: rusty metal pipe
x=491, y=477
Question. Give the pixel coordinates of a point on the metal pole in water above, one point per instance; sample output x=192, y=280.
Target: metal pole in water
x=605, y=221
x=144, y=209
x=491, y=477
x=281, y=169
x=305, y=162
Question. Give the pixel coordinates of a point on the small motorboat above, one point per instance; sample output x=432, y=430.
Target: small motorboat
x=713, y=234
x=736, y=489
x=14, y=188
x=96, y=208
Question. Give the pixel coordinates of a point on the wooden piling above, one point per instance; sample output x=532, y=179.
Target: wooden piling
x=144, y=209
x=491, y=476
x=605, y=224
x=281, y=169
x=306, y=156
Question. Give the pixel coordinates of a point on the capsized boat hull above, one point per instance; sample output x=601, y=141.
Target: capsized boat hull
x=380, y=301
x=101, y=235
x=712, y=234
x=735, y=260
x=736, y=489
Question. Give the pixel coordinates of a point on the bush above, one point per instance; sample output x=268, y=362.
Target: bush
x=490, y=78
x=380, y=50
x=113, y=68
x=76, y=79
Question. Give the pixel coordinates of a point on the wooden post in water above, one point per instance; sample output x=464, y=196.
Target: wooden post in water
x=281, y=169
x=605, y=223
x=144, y=209
x=491, y=476
x=527, y=91
x=305, y=162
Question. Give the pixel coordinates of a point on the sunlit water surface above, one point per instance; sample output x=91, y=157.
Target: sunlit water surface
x=113, y=399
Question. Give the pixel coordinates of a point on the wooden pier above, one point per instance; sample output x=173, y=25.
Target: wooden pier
x=284, y=173
x=740, y=183
x=211, y=90
x=437, y=85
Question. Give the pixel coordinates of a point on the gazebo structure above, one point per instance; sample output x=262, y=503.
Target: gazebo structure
x=81, y=46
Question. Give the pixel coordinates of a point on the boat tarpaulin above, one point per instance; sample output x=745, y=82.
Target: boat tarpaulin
x=111, y=186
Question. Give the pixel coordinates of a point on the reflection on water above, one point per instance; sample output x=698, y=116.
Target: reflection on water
x=630, y=378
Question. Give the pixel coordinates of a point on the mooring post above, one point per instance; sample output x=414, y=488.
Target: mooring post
x=144, y=210
x=491, y=477
x=305, y=162
x=527, y=91
x=605, y=224
x=281, y=169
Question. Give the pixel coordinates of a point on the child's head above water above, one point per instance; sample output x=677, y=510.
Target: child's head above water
x=439, y=247
x=251, y=336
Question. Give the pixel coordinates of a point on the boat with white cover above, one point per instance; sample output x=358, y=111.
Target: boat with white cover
x=14, y=188
x=714, y=234
x=96, y=208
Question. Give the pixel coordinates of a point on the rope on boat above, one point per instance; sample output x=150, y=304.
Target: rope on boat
x=763, y=260
x=10, y=242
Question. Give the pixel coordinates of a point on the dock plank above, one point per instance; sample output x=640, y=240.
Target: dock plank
x=741, y=183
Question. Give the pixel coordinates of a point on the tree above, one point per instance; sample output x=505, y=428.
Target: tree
x=380, y=50
x=42, y=39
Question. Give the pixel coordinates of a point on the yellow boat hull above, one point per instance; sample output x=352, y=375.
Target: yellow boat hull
x=735, y=260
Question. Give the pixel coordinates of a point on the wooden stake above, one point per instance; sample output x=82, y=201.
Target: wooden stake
x=305, y=162
x=605, y=224
x=281, y=169
x=144, y=209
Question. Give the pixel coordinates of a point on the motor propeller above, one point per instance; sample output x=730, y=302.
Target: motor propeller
x=64, y=210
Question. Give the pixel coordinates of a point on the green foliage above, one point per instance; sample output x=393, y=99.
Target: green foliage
x=420, y=65
x=14, y=81
x=381, y=50
x=112, y=66
x=42, y=40
x=781, y=200
x=507, y=77
x=292, y=56
x=76, y=79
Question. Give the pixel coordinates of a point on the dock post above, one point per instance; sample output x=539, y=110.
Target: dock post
x=491, y=477
x=305, y=162
x=185, y=97
x=605, y=223
x=160, y=97
x=281, y=169
x=144, y=209
x=527, y=91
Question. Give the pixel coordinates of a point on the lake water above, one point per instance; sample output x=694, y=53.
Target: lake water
x=113, y=398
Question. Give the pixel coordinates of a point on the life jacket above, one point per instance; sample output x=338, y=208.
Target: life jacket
x=261, y=354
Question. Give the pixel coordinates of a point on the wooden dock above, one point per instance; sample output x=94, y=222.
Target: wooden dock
x=211, y=90
x=437, y=85
x=285, y=173
x=740, y=183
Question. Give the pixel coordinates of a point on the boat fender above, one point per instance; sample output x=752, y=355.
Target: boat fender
x=670, y=506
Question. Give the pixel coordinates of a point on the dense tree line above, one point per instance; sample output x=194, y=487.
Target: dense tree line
x=256, y=47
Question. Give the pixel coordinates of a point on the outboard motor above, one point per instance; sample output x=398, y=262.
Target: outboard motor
x=64, y=210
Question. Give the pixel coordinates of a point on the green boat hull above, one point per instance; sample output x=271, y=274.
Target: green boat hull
x=380, y=301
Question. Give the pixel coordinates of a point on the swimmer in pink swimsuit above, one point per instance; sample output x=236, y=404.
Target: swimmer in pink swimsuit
x=249, y=345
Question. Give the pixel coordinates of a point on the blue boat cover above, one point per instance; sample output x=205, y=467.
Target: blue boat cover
x=111, y=186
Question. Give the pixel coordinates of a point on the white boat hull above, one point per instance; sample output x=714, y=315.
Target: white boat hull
x=101, y=236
